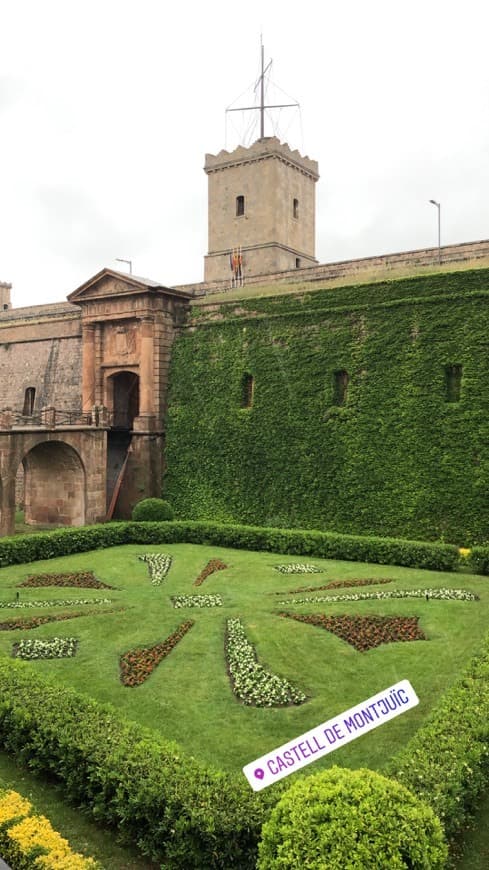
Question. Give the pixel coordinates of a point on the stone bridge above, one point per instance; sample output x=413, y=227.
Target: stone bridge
x=63, y=458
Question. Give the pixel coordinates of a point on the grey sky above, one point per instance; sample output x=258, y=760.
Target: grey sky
x=107, y=109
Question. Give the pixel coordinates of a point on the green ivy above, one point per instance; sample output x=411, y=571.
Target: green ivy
x=395, y=459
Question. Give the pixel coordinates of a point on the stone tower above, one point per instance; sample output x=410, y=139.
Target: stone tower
x=262, y=200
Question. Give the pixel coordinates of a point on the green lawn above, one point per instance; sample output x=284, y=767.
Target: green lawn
x=189, y=698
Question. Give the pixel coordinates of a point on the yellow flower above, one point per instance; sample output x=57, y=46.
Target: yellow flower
x=464, y=552
x=13, y=806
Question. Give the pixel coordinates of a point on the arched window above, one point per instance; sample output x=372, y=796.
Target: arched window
x=29, y=397
x=240, y=206
x=340, y=387
x=453, y=382
x=295, y=208
x=247, y=388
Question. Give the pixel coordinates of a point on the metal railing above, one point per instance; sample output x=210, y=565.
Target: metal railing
x=51, y=418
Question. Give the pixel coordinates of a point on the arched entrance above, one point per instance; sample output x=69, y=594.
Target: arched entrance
x=123, y=399
x=54, y=485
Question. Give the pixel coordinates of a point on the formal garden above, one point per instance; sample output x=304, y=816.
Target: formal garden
x=144, y=664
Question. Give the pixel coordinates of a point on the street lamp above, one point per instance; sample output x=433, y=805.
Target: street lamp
x=434, y=202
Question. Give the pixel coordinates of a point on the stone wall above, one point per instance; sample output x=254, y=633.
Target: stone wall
x=353, y=270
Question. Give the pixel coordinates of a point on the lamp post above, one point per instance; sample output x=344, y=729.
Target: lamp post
x=434, y=202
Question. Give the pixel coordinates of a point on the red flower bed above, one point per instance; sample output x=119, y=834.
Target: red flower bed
x=213, y=565
x=85, y=579
x=365, y=632
x=26, y=622
x=137, y=665
x=338, y=584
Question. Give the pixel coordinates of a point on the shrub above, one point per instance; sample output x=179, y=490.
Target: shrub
x=478, y=560
x=446, y=763
x=179, y=812
x=152, y=510
x=351, y=818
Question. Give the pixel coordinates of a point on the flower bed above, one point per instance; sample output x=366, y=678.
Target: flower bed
x=437, y=594
x=337, y=584
x=365, y=632
x=213, y=565
x=299, y=568
x=85, y=579
x=197, y=600
x=28, y=622
x=53, y=648
x=138, y=664
x=158, y=566
x=251, y=683
x=30, y=841
x=55, y=602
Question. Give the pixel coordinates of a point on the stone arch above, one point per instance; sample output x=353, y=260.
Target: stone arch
x=122, y=390
x=54, y=485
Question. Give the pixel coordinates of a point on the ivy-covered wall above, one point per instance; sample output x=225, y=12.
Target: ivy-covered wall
x=403, y=455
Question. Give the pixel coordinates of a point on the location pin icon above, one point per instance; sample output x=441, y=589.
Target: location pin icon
x=259, y=773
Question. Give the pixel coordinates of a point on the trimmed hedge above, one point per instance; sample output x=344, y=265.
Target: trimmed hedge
x=446, y=763
x=351, y=818
x=325, y=545
x=176, y=810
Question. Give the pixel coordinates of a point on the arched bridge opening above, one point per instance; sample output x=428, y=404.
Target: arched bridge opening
x=54, y=485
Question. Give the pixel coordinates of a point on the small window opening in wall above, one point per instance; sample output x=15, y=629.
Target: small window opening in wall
x=247, y=390
x=29, y=396
x=297, y=262
x=240, y=206
x=340, y=387
x=5, y=306
x=295, y=208
x=453, y=382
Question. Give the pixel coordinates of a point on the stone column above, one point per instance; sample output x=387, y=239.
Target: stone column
x=146, y=369
x=88, y=377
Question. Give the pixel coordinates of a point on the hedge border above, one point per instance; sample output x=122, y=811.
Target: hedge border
x=325, y=545
x=446, y=763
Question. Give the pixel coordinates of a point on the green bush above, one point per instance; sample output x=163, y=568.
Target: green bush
x=446, y=763
x=155, y=510
x=176, y=810
x=300, y=542
x=478, y=560
x=351, y=818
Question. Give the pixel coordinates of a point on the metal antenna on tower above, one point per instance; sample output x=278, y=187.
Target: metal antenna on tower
x=261, y=108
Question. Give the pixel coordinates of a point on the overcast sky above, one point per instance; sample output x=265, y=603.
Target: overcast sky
x=107, y=109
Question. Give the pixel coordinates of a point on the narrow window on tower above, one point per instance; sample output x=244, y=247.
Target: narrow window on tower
x=247, y=388
x=295, y=208
x=29, y=396
x=453, y=382
x=240, y=206
x=297, y=262
x=340, y=387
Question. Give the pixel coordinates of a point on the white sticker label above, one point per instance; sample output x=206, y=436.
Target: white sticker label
x=330, y=735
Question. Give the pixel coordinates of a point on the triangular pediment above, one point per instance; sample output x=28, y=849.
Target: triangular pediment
x=109, y=284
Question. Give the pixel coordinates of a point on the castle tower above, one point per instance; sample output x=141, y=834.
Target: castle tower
x=261, y=202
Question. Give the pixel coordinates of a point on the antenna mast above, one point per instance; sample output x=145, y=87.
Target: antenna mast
x=261, y=108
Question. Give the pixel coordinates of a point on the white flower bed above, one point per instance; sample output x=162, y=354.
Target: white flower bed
x=158, y=566
x=197, y=601
x=56, y=602
x=437, y=594
x=54, y=648
x=251, y=682
x=298, y=568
